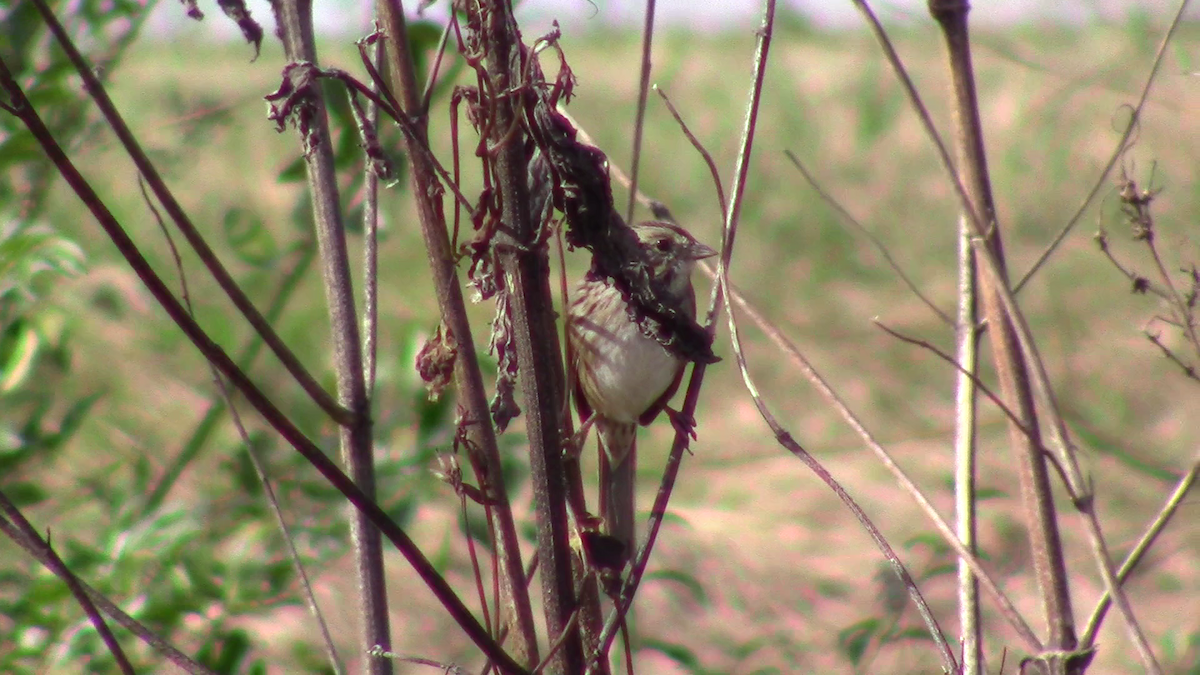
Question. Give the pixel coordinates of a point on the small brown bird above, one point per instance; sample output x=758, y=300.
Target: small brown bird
x=621, y=376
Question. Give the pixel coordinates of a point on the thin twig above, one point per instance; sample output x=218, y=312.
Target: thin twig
x=639, y=118
x=370, y=328
x=966, y=406
x=1161, y=519
x=875, y=241
x=708, y=160
x=310, y=598
x=29, y=538
x=38, y=549
x=1135, y=116
x=1188, y=369
x=1176, y=298
x=1138, y=283
x=427, y=97
x=181, y=220
x=975, y=381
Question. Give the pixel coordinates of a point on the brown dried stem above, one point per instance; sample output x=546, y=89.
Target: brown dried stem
x=1024, y=434
x=966, y=400
x=294, y=21
x=639, y=118
x=483, y=451
x=522, y=255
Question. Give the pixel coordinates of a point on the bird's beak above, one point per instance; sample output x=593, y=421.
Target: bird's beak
x=699, y=251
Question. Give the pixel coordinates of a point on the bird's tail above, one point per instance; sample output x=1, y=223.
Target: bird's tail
x=618, y=466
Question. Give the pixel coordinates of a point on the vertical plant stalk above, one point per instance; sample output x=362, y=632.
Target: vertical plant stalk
x=639, y=119
x=483, y=451
x=965, y=405
x=526, y=267
x=1080, y=490
x=370, y=319
x=1037, y=497
x=295, y=23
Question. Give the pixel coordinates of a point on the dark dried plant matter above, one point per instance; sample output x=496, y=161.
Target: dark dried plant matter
x=1136, y=203
x=573, y=176
x=568, y=176
x=435, y=361
x=239, y=13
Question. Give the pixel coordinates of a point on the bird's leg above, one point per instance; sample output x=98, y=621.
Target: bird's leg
x=573, y=446
x=683, y=423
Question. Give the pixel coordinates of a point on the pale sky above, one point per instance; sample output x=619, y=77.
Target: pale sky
x=351, y=17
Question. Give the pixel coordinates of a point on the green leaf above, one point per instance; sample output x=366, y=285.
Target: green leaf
x=251, y=242
x=689, y=582
x=945, y=569
x=983, y=494
x=932, y=541
x=82, y=558
x=855, y=639
x=27, y=253
x=295, y=172
x=18, y=354
x=245, y=475
x=226, y=651
x=73, y=419
x=25, y=493
x=433, y=417
x=279, y=576
x=676, y=652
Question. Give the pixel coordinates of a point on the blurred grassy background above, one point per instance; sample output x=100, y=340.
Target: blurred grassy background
x=782, y=570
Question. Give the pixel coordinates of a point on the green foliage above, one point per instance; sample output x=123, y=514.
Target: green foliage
x=27, y=252
x=684, y=580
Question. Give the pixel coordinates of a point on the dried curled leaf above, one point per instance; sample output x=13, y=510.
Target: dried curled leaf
x=435, y=361
x=236, y=10
x=504, y=406
x=295, y=101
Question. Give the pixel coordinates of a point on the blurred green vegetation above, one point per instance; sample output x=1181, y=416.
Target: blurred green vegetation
x=751, y=527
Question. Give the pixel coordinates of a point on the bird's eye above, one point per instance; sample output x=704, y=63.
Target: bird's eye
x=663, y=245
